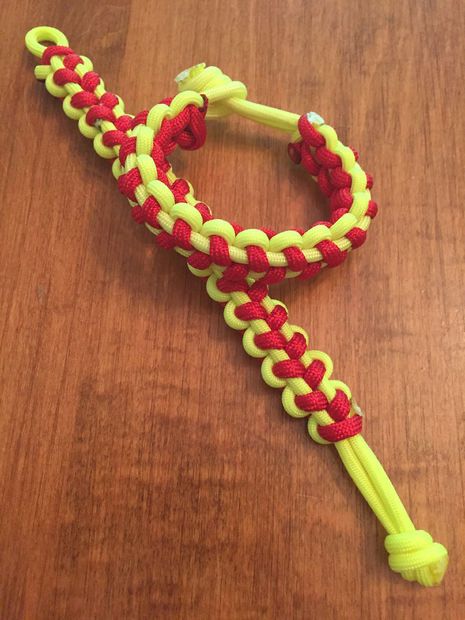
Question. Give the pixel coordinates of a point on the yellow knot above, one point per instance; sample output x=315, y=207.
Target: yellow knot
x=417, y=557
x=212, y=82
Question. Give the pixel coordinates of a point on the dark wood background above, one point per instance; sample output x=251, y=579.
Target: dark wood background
x=146, y=470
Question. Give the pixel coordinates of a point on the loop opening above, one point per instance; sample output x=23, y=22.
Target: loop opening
x=39, y=34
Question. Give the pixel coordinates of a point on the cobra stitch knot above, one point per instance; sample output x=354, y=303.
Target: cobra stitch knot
x=240, y=265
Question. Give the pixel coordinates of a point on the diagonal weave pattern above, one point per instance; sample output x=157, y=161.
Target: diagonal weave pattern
x=241, y=264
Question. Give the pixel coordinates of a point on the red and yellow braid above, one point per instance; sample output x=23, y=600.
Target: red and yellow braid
x=241, y=264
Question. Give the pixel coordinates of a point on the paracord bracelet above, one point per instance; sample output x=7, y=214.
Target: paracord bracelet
x=241, y=264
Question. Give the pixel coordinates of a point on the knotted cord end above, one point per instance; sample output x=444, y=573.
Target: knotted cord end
x=212, y=82
x=226, y=96
x=417, y=557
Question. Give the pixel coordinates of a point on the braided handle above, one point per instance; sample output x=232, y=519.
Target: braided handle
x=239, y=264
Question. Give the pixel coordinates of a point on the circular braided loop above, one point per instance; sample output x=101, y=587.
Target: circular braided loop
x=240, y=264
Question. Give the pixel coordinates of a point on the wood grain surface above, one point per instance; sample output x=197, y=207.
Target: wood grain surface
x=146, y=470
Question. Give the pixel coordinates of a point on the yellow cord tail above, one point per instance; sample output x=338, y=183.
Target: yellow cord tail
x=412, y=553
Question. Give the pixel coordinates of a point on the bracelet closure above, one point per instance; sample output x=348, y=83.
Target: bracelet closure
x=227, y=96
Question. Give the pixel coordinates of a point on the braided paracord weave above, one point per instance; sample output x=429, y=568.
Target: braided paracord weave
x=241, y=264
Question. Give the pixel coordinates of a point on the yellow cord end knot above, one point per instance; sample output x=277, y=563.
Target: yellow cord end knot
x=212, y=82
x=417, y=557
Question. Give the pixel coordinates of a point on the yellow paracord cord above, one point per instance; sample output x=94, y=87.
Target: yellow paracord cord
x=411, y=552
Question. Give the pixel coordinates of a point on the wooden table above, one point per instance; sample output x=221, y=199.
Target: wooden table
x=146, y=470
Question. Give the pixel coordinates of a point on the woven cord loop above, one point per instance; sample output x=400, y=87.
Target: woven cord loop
x=239, y=265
